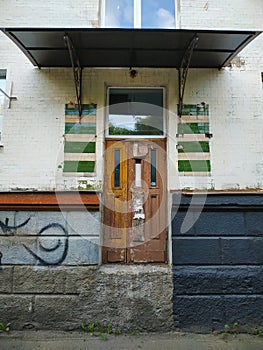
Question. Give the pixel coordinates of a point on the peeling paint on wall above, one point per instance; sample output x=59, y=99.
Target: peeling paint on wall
x=90, y=184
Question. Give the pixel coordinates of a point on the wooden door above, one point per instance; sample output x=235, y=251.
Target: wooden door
x=134, y=211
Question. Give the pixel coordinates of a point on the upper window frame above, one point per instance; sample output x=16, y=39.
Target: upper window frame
x=137, y=15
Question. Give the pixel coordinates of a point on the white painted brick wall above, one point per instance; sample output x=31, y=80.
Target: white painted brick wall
x=216, y=14
x=235, y=95
x=49, y=13
x=33, y=128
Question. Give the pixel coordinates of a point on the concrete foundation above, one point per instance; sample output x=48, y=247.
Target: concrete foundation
x=61, y=298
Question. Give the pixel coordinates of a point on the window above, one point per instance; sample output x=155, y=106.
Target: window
x=2, y=98
x=135, y=112
x=80, y=140
x=138, y=13
x=117, y=168
x=2, y=86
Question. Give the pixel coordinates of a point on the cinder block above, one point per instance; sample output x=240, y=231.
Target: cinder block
x=82, y=251
x=7, y=221
x=199, y=313
x=14, y=252
x=78, y=278
x=26, y=222
x=58, y=312
x=84, y=223
x=207, y=313
x=222, y=223
x=197, y=251
x=245, y=309
x=240, y=251
x=17, y=309
x=38, y=280
x=206, y=280
x=67, y=251
x=254, y=223
x=6, y=279
x=52, y=223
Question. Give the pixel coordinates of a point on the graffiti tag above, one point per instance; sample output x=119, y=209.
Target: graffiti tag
x=56, y=247
x=10, y=231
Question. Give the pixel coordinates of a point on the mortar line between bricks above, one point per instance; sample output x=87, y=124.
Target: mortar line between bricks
x=33, y=308
x=50, y=266
x=218, y=294
x=203, y=236
x=221, y=265
x=181, y=265
x=31, y=235
x=12, y=284
x=41, y=294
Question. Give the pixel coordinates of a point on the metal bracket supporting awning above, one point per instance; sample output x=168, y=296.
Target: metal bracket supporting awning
x=183, y=70
x=77, y=70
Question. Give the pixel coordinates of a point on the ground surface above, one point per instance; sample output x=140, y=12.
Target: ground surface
x=46, y=340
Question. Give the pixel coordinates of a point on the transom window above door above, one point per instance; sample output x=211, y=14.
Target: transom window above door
x=138, y=13
x=135, y=112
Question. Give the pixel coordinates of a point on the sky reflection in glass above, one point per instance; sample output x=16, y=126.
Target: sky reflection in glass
x=153, y=14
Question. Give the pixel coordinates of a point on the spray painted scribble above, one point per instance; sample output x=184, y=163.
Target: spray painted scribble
x=48, y=238
x=10, y=229
x=48, y=250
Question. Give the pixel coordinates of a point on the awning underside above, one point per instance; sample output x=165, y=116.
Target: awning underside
x=129, y=47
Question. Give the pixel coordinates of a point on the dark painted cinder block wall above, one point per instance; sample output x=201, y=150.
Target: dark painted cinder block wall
x=217, y=261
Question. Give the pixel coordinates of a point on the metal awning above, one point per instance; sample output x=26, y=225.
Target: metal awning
x=162, y=48
x=151, y=48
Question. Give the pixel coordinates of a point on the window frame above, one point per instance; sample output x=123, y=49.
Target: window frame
x=3, y=77
x=108, y=136
x=3, y=73
x=137, y=17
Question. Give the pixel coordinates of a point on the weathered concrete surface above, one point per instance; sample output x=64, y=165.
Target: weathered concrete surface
x=61, y=298
x=31, y=340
